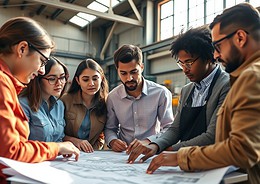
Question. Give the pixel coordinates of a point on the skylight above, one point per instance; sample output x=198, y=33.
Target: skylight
x=83, y=19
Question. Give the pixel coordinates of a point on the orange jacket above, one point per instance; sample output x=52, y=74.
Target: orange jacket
x=14, y=129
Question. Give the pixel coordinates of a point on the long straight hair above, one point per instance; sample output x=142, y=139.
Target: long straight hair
x=99, y=100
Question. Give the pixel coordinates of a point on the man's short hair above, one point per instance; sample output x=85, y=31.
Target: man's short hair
x=127, y=53
x=241, y=16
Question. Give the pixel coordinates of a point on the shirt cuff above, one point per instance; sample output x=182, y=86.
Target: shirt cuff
x=182, y=156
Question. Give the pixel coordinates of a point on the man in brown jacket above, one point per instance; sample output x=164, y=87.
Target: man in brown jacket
x=236, y=38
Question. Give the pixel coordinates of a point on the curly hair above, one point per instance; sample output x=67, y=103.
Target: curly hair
x=196, y=41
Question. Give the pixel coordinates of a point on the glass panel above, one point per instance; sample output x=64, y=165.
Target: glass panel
x=255, y=3
x=166, y=28
x=213, y=8
x=86, y=16
x=97, y=6
x=78, y=21
x=196, y=23
x=180, y=22
x=230, y=3
x=166, y=9
x=180, y=15
x=193, y=3
x=196, y=12
x=107, y=2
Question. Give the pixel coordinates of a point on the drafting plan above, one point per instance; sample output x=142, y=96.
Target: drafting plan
x=111, y=167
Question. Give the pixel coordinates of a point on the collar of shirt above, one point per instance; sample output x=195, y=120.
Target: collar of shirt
x=205, y=83
x=17, y=84
x=53, y=101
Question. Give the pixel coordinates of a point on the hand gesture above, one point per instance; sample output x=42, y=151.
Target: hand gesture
x=166, y=158
x=67, y=149
x=118, y=145
x=136, y=143
x=147, y=150
x=84, y=145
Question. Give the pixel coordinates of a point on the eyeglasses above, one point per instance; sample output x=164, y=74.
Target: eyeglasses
x=53, y=80
x=186, y=64
x=43, y=62
x=216, y=44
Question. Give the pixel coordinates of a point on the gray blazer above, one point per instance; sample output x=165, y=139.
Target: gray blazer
x=172, y=136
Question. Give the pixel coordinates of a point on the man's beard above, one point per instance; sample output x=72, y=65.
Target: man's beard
x=234, y=62
x=132, y=87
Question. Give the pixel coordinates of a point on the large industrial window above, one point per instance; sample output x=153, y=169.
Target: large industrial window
x=177, y=15
x=166, y=19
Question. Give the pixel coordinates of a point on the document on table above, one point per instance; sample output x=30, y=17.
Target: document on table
x=105, y=167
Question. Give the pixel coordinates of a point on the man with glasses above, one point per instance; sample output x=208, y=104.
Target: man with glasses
x=238, y=122
x=195, y=119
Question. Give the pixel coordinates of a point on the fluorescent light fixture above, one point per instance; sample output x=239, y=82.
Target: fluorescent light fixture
x=86, y=16
x=97, y=6
x=79, y=21
x=107, y=2
x=83, y=19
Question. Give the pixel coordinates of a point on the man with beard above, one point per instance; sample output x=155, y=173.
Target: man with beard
x=196, y=115
x=138, y=109
x=236, y=38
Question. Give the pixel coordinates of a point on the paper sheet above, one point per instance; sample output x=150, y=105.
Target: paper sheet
x=109, y=167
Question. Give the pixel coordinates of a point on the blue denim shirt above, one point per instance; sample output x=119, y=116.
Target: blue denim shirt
x=47, y=124
x=84, y=128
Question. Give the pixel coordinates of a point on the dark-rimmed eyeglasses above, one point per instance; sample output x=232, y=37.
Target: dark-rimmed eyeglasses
x=216, y=44
x=46, y=59
x=53, y=80
x=187, y=64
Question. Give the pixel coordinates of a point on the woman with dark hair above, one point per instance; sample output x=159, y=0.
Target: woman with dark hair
x=25, y=48
x=41, y=104
x=85, y=105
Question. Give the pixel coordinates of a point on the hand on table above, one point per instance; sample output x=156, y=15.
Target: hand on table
x=147, y=150
x=136, y=143
x=166, y=158
x=118, y=145
x=84, y=145
x=67, y=149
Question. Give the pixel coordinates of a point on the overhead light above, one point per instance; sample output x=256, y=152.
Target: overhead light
x=79, y=21
x=83, y=19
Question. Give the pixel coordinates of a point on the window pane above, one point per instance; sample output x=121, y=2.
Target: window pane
x=255, y=3
x=166, y=28
x=230, y=3
x=196, y=23
x=196, y=13
x=98, y=7
x=180, y=15
x=166, y=9
x=193, y=3
x=107, y=2
x=213, y=8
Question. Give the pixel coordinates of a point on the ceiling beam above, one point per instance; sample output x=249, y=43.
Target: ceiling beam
x=5, y=3
x=23, y=6
x=77, y=8
x=59, y=11
x=40, y=9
